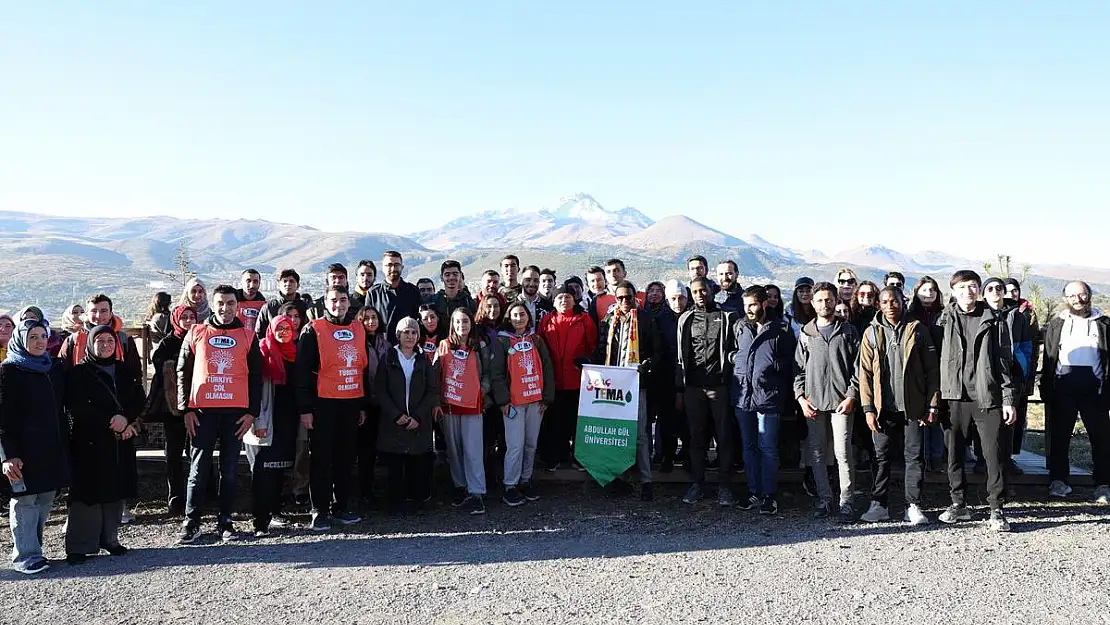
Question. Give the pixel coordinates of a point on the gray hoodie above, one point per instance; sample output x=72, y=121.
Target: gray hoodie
x=826, y=371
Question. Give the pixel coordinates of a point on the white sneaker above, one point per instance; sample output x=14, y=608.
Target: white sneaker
x=875, y=513
x=915, y=516
x=127, y=517
x=998, y=522
x=1058, y=489
x=1102, y=494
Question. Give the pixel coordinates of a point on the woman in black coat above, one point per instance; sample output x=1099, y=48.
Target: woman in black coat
x=34, y=439
x=103, y=403
x=407, y=388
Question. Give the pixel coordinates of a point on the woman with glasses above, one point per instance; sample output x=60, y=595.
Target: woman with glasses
x=846, y=281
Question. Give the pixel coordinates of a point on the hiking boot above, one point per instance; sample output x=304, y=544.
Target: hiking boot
x=526, y=491
x=1058, y=489
x=749, y=502
x=693, y=494
x=954, y=514
x=189, y=533
x=876, y=513
x=1102, y=494
x=998, y=522
x=513, y=498
x=769, y=506
x=847, y=514
x=320, y=522
x=647, y=492
x=475, y=505
x=915, y=515
x=725, y=498
x=343, y=517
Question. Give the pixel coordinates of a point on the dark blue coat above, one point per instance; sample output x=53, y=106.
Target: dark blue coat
x=667, y=322
x=763, y=366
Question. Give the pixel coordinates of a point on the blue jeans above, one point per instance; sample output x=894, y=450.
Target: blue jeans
x=28, y=520
x=759, y=432
x=213, y=426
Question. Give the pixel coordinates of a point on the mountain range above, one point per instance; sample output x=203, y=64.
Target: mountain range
x=52, y=260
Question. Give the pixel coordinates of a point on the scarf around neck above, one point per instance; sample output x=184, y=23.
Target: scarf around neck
x=275, y=353
x=17, y=348
x=630, y=348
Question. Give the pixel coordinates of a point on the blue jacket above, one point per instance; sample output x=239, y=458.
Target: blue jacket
x=763, y=366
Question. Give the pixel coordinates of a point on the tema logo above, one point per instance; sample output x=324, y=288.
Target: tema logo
x=604, y=393
x=343, y=335
x=222, y=342
x=523, y=346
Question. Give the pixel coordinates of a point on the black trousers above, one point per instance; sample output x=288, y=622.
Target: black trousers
x=558, y=429
x=265, y=494
x=962, y=416
x=367, y=452
x=408, y=477
x=894, y=427
x=705, y=408
x=332, y=445
x=670, y=422
x=1068, y=403
x=176, y=441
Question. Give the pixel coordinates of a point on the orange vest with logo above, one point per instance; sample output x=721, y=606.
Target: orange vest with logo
x=525, y=370
x=607, y=302
x=219, y=367
x=428, y=347
x=342, y=359
x=248, y=313
x=462, y=386
x=81, y=346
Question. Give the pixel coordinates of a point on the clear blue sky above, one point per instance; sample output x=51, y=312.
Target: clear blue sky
x=973, y=128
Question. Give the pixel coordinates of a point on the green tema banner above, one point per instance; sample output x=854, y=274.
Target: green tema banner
x=608, y=406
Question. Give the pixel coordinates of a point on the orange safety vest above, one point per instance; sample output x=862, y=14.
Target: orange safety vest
x=248, y=313
x=525, y=371
x=342, y=359
x=607, y=303
x=428, y=347
x=81, y=346
x=219, y=367
x=462, y=386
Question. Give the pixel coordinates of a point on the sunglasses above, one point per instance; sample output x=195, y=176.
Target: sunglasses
x=848, y=281
x=896, y=285
x=995, y=289
x=621, y=298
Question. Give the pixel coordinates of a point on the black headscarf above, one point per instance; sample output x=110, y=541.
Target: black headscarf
x=108, y=365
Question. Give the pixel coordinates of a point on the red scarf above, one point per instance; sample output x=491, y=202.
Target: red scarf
x=175, y=320
x=275, y=353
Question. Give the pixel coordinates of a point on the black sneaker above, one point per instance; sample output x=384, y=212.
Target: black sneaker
x=693, y=494
x=36, y=567
x=847, y=514
x=115, y=550
x=824, y=510
x=475, y=505
x=320, y=522
x=459, y=498
x=76, y=558
x=769, y=506
x=725, y=498
x=513, y=497
x=343, y=517
x=647, y=492
x=748, y=503
x=526, y=491
x=809, y=484
x=226, y=531
x=189, y=533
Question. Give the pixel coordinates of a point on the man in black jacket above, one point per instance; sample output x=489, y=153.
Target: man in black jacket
x=219, y=388
x=613, y=349
x=336, y=275
x=332, y=397
x=393, y=298
x=289, y=282
x=976, y=379
x=365, y=275
x=452, y=295
x=1074, y=383
x=703, y=371
x=729, y=295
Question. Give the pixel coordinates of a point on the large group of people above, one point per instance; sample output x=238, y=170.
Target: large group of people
x=401, y=375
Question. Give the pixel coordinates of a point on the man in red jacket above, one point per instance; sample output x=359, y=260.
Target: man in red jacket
x=571, y=338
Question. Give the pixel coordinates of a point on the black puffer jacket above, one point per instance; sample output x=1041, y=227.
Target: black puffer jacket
x=34, y=426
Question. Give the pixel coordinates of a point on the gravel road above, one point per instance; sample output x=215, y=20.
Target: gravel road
x=578, y=556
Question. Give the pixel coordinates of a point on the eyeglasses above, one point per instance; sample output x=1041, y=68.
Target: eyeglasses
x=896, y=285
x=995, y=289
x=848, y=281
x=622, y=298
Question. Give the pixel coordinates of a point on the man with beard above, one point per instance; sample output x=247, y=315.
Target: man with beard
x=1074, y=382
x=976, y=367
x=365, y=275
x=698, y=267
x=219, y=390
x=703, y=373
x=331, y=389
x=251, y=300
x=730, y=297
x=393, y=298
x=336, y=275
x=452, y=295
x=899, y=384
x=826, y=387
x=426, y=288
x=510, y=268
x=289, y=282
x=762, y=384
x=530, y=295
